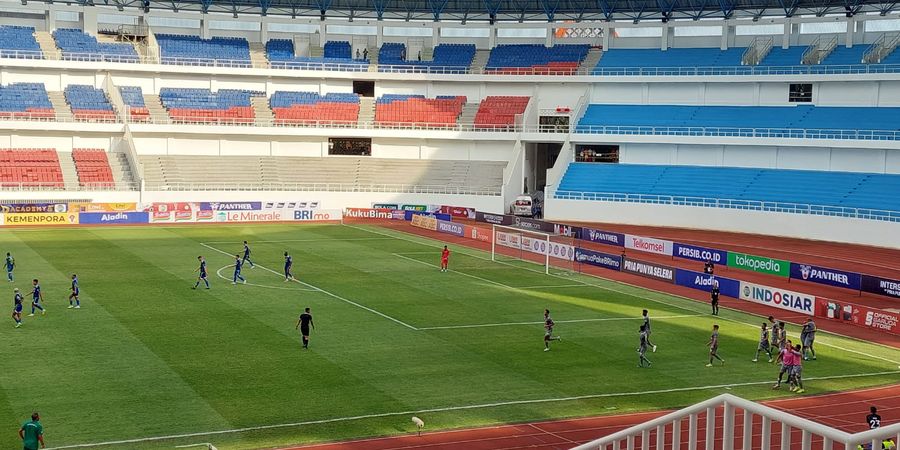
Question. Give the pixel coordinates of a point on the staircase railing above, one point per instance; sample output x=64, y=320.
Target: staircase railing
x=819, y=50
x=883, y=46
x=757, y=51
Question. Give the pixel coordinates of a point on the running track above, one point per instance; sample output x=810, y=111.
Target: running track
x=842, y=410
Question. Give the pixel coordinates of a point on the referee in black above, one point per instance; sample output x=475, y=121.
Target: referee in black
x=714, y=296
x=305, y=321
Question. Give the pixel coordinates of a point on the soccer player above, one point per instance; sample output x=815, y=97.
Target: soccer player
x=714, y=297
x=32, y=433
x=36, y=298
x=807, y=338
x=445, y=259
x=647, y=330
x=873, y=419
x=246, y=257
x=787, y=360
x=548, y=331
x=773, y=326
x=303, y=323
x=10, y=265
x=782, y=335
x=202, y=276
x=763, y=343
x=288, y=264
x=74, y=294
x=713, y=345
x=797, y=369
x=642, y=349
x=238, y=262
x=17, y=307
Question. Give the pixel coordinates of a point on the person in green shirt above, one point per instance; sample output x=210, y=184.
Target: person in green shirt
x=32, y=433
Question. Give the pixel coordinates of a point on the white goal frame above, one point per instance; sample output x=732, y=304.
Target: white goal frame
x=519, y=244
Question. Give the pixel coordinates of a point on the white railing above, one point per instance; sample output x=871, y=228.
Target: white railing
x=751, y=205
x=743, y=132
x=819, y=50
x=318, y=187
x=88, y=187
x=52, y=117
x=668, y=431
x=758, y=49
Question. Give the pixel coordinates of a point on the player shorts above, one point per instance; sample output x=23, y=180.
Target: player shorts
x=304, y=331
x=764, y=345
x=202, y=276
x=642, y=350
x=808, y=342
x=796, y=370
x=548, y=333
x=713, y=350
x=786, y=370
x=17, y=308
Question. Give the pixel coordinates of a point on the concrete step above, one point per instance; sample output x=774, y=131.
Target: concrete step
x=261, y=111
x=373, y=59
x=62, y=109
x=479, y=61
x=590, y=61
x=158, y=114
x=69, y=173
x=316, y=52
x=366, y=111
x=48, y=44
x=121, y=170
x=468, y=114
x=258, y=56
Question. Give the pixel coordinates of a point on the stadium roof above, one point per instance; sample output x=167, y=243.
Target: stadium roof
x=514, y=10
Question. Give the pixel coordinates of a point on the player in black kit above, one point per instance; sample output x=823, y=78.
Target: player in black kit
x=305, y=321
x=714, y=297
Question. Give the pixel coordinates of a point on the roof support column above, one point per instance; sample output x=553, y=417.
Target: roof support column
x=851, y=26
x=727, y=33
x=786, y=38
x=49, y=20
x=607, y=30
x=88, y=19
x=204, y=28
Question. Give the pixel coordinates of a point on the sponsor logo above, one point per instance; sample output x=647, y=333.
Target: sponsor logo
x=890, y=286
x=598, y=259
x=822, y=275
x=385, y=206
x=565, y=230
x=159, y=216
x=649, y=245
x=424, y=221
x=881, y=320
x=450, y=227
x=648, y=270
x=253, y=216
x=779, y=298
x=41, y=219
x=28, y=208
x=290, y=205
x=112, y=218
x=700, y=253
x=604, y=237
x=233, y=206
x=205, y=215
x=531, y=225
x=184, y=216
x=494, y=218
x=759, y=264
x=880, y=286
x=316, y=214
x=368, y=213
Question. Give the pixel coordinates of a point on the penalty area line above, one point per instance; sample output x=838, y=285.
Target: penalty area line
x=461, y=408
x=599, y=319
x=323, y=291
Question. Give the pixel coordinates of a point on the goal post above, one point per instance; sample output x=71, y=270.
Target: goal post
x=555, y=253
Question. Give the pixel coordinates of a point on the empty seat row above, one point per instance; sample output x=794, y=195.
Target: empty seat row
x=536, y=59
x=499, y=111
x=30, y=167
x=203, y=105
x=311, y=107
x=337, y=56
x=416, y=109
x=192, y=50
x=25, y=100
x=89, y=103
x=92, y=166
x=446, y=58
x=19, y=42
x=80, y=46
x=133, y=97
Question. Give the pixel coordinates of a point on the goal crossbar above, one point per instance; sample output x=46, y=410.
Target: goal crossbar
x=548, y=250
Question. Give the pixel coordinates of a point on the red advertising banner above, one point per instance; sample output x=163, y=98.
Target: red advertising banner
x=458, y=212
x=478, y=234
x=859, y=315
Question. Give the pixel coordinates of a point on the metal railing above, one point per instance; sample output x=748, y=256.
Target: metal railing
x=751, y=205
x=819, y=50
x=757, y=50
x=53, y=117
x=87, y=187
x=669, y=430
x=319, y=187
x=742, y=132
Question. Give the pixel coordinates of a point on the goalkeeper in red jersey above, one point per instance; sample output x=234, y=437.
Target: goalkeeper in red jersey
x=445, y=259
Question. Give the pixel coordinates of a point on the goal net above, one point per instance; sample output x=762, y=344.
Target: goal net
x=554, y=253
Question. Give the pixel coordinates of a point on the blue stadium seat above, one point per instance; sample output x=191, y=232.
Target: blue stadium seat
x=536, y=58
x=78, y=45
x=191, y=50
x=19, y=42
x=837, y=189
x=446, y=58
x=89, y=103
x=25, y=100
x=337, y=56
x=693, y=60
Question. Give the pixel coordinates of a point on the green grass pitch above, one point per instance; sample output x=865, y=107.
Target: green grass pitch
x=147, y=356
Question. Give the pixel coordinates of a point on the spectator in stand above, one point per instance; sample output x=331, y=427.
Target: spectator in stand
x=365, y=53
x=708, y=267
x=403, y=54
x=357, y=53
x=420, y=55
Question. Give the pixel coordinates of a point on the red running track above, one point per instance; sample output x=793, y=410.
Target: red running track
x=843, y=410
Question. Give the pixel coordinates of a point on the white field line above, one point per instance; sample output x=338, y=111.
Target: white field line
x=463, y=408
x=219, y=273
x=330, y=294
x=684, y=308
x=307, y=240
x=601, y=319
x=552, y=286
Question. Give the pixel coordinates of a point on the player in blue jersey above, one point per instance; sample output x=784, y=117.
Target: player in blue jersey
x=17, y=307
x=203, y=274
x=74, y=294
x=246, y=257
x=36, y=298
x=288, y=265
x=10, y=265
x=238, y=263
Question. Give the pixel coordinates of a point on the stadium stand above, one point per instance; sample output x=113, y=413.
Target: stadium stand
x=336, y=57
x=780, y=121
x=310, y=107
x=842, y=55
x=30, y=167
x=536, y=59
x=835, y=189
x=333, y=174
x=78, y=45
x=194, y=51
x=631, y=61
x=19, y=42
x=133, y=97
x=89, y=103
x=499, y=111
x=92, y=166
x=782, y=57
x=443, y=111
x=25, y=100
x=447, y=58
x=204, y=106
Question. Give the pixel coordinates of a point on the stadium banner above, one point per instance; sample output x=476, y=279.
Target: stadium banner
x=703, y=282
x=444, y=226
x=233, y=206
x=602, y=237
x=824, y=275
x=649, y=270
x=408, y=215
x=111, y=218
x=102, y=207
x=369, y=213
x=880, y=286
x=405, y=207
x=496, y=219
x=26, y=208
x=693, y=252
x=532, y=224
x=759, y=264
x=560, y=251
x=385, y=206
x=275, y=215
x=778, y=298
x=286, y=205
x=423, y=221
x=316, y=215
x=478, y=234
x=649, y=245
x=458, y=211
x=511, y=240
x=40, y=219
x=863, y=316
x=605, y=260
